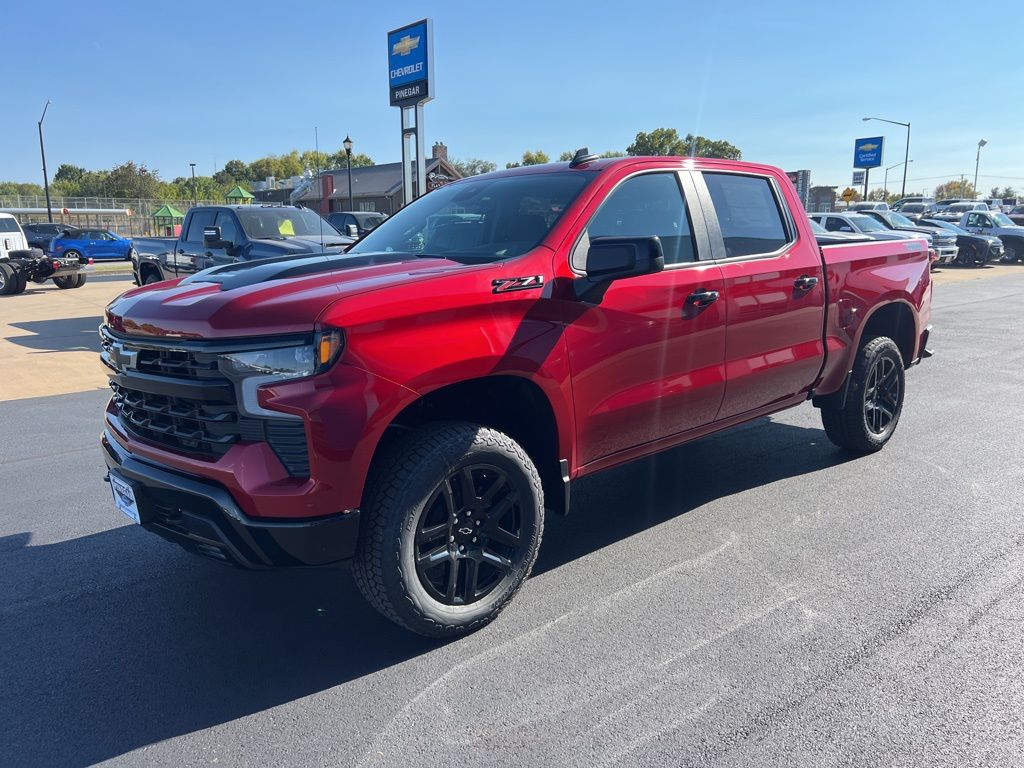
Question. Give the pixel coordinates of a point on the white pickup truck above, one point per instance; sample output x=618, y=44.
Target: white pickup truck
x=997, y=224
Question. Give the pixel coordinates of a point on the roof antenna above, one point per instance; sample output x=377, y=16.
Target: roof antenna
x=582, y=157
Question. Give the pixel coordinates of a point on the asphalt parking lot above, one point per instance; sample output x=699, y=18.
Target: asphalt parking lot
x=755, y=598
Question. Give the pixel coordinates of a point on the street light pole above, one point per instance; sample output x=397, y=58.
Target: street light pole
x=195, y=192
x=977, y=160
x=885, y=184
x=348, y=154
x=906, y=153
x=42, y=153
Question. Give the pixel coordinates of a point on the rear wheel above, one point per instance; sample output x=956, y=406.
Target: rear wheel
x=874, y=399
x=451, y=529
x=22, y=282
x=1010, y=253
x=8, y=280
x=66, y=282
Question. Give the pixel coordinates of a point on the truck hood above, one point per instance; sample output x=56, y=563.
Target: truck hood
x=260, y=298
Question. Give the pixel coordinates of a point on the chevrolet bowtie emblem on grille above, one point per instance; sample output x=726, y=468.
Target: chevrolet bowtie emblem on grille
x=122, y=358
x=405, y=46
x=465, y=531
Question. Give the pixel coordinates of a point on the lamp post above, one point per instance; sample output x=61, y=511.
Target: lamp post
x=42, y=153
x=977, y=160
x=885, y=184
x=347, y=143
x=906, y=155
x=195, y=192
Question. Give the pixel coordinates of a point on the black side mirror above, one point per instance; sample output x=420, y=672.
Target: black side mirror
x=616, y=258
x=212, y=238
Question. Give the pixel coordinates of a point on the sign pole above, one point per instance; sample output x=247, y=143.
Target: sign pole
x=867, y=171
x=410, y=86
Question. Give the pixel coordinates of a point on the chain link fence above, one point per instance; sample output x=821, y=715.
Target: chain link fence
x=130, y=217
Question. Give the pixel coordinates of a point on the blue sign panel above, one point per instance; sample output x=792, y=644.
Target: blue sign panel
x=867, y=153
x=410, y=60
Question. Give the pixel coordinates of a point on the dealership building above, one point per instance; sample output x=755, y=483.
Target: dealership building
x=374, y=187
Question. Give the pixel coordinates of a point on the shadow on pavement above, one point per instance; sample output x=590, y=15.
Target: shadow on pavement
x=73, y=334
x=118, y=640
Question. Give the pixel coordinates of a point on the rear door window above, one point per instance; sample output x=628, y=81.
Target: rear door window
x=749, y=215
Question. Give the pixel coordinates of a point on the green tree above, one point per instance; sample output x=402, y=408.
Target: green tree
x=1005, y=192
x=19, y=188
x=955, y=188
x=131, y=180
x=537, y=157
x=472, y=166
x=338, y=160
x=665, y=141
x=69, y=173
x=613, y=153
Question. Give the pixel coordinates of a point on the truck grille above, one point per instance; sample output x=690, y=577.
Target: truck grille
x=178, y=399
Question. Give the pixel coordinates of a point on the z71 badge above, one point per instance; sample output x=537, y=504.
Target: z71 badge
x=506, y=284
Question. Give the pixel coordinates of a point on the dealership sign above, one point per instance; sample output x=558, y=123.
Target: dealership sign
x=411, y=64
x=867, y=153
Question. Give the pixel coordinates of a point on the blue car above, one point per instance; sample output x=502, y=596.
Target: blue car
x=92, y=244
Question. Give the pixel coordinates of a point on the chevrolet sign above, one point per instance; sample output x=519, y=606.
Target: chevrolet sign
x=410, y=64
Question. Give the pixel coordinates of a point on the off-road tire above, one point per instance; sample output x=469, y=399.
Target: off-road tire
x=402, y=483
x=8, y=280
x=848, y=427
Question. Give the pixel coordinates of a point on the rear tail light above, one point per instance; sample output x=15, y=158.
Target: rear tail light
x=932, y=255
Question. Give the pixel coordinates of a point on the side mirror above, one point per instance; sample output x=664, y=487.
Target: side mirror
x=352, y=230
x=212, y=238
x=614, y=258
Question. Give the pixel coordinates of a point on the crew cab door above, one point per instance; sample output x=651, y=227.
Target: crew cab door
x=774, y=290
x=647, y=357
x=190, y=254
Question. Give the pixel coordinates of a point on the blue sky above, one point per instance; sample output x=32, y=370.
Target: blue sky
x=787, y=82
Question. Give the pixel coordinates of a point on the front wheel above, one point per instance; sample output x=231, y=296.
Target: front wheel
x=874, y=399
x=8, y=280
x=1010, y=254
x=451, y=528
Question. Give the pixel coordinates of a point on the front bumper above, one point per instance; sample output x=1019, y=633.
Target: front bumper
x=203, y=518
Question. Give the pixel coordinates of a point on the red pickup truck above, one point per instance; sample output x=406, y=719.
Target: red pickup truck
x=417, y=404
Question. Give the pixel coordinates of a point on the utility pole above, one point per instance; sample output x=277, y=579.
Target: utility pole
x=42, y=153
x=195, y=192
x=977, y=160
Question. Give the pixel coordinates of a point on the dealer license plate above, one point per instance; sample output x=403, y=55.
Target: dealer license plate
x=124, y=497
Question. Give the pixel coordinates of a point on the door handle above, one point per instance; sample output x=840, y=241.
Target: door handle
x=702, y=298
x=805, y=283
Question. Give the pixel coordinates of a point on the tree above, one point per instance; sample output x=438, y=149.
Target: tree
x=955, y=188
x=566, y=156
x=665, y=141
x=537, y=157
x=338, y=160
x=17, y=188
x=131, y=180
x=1005, y=192
x=68, y=173
x=878, y=195
x=613, y=153
x=473, y=166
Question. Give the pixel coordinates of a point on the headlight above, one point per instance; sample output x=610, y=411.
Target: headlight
x=286, y=362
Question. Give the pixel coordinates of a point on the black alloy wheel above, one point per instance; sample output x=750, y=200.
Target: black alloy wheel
x=881, y=395
x=470, y=535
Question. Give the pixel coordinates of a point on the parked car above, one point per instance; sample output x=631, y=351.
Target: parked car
x=943, y=242
x=954, y=212
x=421, y=402
x=997, y=225
x=869, y=206
x=212, y=235
x=899, y=204
x=20, y=265
x=824, y=237
x=97, y=244
x=861, y=223
x=945, y=203
x=972, y=250
x=42, y=234
x=355, y=223
x=1016, y=214
x=916, y=211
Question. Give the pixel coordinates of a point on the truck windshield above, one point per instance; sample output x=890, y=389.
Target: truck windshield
x=279, y=223
x=479, y=220
x=900, y=221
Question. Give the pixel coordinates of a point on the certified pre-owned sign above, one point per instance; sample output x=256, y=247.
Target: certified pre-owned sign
x=410, y=64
